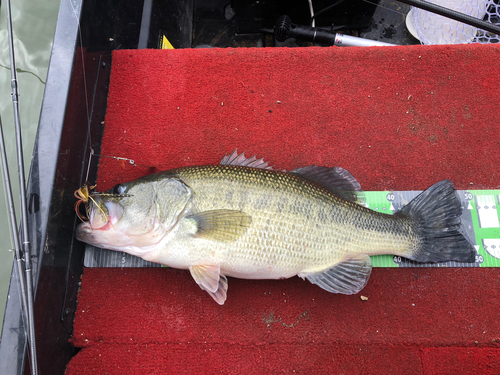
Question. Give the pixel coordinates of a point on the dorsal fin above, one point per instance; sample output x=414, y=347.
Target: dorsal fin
x=336, y=180
x=241, y=160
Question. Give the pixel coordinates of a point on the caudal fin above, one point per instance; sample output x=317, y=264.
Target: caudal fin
x=436, y=213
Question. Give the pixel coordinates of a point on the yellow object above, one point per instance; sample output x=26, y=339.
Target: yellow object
x=165, y=44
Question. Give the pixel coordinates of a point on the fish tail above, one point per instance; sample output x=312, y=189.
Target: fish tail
x=436, y=216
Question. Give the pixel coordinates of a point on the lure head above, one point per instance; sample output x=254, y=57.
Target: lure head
x=83, y=195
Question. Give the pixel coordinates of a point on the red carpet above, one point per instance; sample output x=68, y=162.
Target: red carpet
x=398, y=118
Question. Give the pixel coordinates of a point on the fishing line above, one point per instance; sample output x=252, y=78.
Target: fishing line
x=89, y=134
x=64, y=311
x=84, y=76
x=383, y=7
x=313, y=16
x=83, y=66
x=89, y=106
x=82, y=56
x=131, y=161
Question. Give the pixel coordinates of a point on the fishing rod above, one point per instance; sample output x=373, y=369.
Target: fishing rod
x=24, y=211
x=18, y=256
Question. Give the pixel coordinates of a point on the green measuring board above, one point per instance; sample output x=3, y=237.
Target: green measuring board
x=480, y=225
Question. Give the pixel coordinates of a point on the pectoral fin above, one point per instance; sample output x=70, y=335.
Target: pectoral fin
x=221, y=225
x=208, y=277
x=347, y=277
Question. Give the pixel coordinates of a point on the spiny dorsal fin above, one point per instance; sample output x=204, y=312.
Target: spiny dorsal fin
x=241, y=160
x=347, y=277
x=336, y=180
x=221, y=225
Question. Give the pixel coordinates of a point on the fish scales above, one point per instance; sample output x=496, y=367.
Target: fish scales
x=296, y=225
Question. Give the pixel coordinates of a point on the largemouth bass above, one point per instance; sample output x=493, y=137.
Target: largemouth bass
x=243, y=219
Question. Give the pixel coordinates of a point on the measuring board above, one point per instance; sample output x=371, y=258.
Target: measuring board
x=480, y=225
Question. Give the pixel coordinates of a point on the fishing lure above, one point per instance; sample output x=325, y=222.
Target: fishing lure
x=83, y=196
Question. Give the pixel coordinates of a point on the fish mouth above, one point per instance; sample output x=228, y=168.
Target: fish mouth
x=99, y=222
x=84, y=232
x=112, y=238
x=103, y=214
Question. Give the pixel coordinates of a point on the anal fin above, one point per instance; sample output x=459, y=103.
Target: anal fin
x=346, y=277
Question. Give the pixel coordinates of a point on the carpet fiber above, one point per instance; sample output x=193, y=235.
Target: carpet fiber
x=398, y=118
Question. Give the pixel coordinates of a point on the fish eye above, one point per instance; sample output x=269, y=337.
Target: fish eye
x=119, y=189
